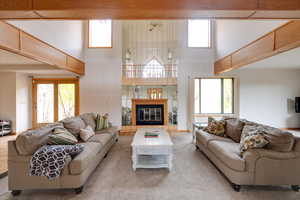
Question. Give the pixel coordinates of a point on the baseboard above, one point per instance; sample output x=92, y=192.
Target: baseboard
x=291, y=129
x=181, y=131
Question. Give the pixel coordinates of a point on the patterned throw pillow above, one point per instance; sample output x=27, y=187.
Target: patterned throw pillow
x=252, y=138
x=102, y=122
x=216, y=127
x=86, y=133
x=61, y=136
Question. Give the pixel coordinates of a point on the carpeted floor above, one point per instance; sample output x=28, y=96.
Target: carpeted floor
x=192, y=177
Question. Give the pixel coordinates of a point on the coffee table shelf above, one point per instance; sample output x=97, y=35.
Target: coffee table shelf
x=152, y=152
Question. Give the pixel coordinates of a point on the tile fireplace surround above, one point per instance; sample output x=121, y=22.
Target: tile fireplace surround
x=149, y=103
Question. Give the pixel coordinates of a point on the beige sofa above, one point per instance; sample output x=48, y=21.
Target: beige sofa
x=75, y=172
x=257, y=166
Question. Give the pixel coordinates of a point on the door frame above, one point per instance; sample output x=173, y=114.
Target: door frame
x=55, y=81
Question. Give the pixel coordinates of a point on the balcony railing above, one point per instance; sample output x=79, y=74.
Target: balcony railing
x=149, y=72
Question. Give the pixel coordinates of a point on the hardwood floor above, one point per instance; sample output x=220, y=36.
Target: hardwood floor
x=3, y=152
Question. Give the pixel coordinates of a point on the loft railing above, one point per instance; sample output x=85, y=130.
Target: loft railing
x=149, y=72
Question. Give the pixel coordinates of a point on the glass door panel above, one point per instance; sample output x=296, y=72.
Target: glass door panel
x=45, y=103
x=66, y=100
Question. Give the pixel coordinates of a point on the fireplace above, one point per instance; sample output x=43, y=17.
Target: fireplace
x=150, y=114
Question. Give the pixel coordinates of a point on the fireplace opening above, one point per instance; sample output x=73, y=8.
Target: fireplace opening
x=150, y=114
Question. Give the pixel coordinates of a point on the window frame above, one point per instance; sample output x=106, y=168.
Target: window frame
x=222, y=96
x=99, y=47
x=55, y=82
x=210, y=34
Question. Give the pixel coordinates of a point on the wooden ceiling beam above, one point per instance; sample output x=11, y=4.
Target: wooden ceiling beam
x=19, y=42
x=282, y=39
x=147, y=9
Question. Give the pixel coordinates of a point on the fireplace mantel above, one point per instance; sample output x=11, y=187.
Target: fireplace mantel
x=136, y=102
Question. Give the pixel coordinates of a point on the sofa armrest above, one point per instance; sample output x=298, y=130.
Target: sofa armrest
x=253, y=155
x=297, y=144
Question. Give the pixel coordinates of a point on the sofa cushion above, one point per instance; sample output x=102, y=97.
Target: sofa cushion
x=234, y=128
x=113, y=129
x=228, y=153
x=204, y=137
x=73, y=125
x=83, y=160
x=29, y=141
x=101, y=138
x=89, y=119
x=279, y=140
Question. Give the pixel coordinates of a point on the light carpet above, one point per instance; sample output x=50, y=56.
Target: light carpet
x=193, y=177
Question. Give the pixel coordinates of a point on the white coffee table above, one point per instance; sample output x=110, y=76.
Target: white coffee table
x=152, y=152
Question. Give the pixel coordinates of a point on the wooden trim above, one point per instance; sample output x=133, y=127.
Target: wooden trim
x=21, y=43
x=291, y=129
x=55, y=82
x=111, y=35
x=282, y=39
x=141, y=9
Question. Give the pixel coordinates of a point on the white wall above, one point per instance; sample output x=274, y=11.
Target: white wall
x=23, y=102
x=15, y=100
x=100, y=88
x=8, y=97
x=194, y=62
x=267, y=96
x=231, y=35
x=66, y=35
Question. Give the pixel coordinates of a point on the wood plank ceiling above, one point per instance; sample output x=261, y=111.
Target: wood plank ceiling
x=148, y=9
x=283, y=38
x=19, y=42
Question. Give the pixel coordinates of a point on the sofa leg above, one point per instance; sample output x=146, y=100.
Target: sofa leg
x=295, y=188
x=78, y=190
x=236, y=187
x=16, y=192
x=105, y=155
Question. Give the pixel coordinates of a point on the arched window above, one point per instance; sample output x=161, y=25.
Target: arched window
x=153, y=69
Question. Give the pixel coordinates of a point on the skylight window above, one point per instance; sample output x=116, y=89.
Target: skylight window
x=199, y=34
x=100, y=33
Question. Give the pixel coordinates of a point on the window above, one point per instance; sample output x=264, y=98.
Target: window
x=153, y=69
x=214, y=95
x=100, y=33
x=54, y=100
x=199, y=33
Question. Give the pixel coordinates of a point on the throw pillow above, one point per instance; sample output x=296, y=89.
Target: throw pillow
x=73, y=125
x=61, y=136
x=102, y=122
x=252, y=138
x=215, y=127
x=86, y=133
x=89, y=119
x=279, y=140
x=234, y=128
